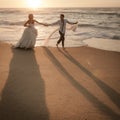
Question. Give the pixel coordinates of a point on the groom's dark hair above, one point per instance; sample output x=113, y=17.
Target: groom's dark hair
x=62, y=15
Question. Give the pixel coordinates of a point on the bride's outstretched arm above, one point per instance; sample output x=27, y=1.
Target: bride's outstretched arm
x=45, y=24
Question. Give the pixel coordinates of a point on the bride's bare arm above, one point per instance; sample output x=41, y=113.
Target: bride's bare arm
x=45, y=24
x=26, y=24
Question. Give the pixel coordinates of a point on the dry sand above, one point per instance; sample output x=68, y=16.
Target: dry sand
x=46, y=83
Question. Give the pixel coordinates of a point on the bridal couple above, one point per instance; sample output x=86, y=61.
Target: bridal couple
x=29, y=35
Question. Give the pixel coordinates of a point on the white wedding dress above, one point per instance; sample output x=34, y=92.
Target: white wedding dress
x=28, y=38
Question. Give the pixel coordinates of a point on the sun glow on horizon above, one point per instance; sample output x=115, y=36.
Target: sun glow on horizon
x=34, y=3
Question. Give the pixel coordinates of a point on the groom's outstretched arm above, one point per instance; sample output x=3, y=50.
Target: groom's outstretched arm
x=71, y=22
x=54, y=23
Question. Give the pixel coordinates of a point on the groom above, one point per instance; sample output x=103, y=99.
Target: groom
x=62, y=23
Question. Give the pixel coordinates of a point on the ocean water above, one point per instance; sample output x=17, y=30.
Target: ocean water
x=93, y=23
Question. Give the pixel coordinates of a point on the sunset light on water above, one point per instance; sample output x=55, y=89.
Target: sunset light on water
x=34, y=3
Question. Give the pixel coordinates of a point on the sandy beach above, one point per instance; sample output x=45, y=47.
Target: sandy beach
x=80, y=83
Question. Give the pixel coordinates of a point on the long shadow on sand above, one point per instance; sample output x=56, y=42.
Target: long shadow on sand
x=111, y=93
x=96, y=102
x=23, y=96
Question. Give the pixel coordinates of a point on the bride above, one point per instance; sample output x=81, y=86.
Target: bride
x=29, y=35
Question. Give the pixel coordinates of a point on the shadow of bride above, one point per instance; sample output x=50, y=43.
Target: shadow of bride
x=23, y=96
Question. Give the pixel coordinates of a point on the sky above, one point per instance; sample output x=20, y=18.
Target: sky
x=58, y=3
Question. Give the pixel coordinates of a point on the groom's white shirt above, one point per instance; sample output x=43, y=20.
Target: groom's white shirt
x=62, y=26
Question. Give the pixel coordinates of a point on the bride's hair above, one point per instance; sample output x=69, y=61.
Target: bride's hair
x=30, y=16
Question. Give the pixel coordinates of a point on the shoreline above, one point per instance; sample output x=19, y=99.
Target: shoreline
x=104, y=44
x=98, y=43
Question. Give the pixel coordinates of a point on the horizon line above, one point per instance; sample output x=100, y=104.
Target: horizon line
x=64, y=7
